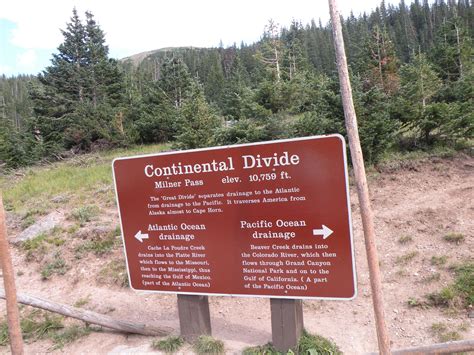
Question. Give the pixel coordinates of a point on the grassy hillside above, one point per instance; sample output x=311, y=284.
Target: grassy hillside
x=76, y=181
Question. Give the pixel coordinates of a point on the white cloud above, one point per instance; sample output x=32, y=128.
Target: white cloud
x=5, y=69
x=140, y=25
x=27, y=59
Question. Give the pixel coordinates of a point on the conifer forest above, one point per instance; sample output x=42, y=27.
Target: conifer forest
x=411, y=69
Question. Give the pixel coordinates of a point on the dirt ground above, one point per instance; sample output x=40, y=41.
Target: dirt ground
x=422, y=200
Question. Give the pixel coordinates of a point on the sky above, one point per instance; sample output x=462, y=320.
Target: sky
x=30, y=29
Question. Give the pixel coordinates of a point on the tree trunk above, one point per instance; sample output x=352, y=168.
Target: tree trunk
x=458, y=43
x=277, y=64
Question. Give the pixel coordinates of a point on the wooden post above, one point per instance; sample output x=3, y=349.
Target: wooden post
x=361, y=181
x=287, y=323
x=13, y=314
x=452, y=347
x=194, y=316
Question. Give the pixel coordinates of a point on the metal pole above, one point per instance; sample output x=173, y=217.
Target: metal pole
x=13, y=316
x=361, y=180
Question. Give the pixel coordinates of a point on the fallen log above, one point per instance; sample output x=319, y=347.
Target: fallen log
x=90, y=317
x=440, y=348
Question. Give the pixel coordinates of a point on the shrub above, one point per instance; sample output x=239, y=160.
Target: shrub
x=169, y=345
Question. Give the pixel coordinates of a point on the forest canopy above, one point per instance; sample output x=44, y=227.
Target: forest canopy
x=411, y=72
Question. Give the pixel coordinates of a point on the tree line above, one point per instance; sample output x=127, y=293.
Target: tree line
x=411, y=72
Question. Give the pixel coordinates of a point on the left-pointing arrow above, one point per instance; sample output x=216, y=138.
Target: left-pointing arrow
x=140, y=236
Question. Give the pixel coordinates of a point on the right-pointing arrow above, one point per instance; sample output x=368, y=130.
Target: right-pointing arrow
x=325, y=232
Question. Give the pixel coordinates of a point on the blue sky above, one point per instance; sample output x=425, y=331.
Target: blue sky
x=30, y=29
x=17, y=60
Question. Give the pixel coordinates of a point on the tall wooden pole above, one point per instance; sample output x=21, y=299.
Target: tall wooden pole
x=13, y=315
x=361, y=180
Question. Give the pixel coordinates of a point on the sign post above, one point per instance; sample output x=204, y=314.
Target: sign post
x=13, y=314
x=287, y=323
x=194, y=316
x=267, y=220
x=361, y=180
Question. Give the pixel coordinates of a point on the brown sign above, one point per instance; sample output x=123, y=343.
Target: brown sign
x=265, y=219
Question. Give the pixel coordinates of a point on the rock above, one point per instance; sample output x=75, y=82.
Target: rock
x=45, y=224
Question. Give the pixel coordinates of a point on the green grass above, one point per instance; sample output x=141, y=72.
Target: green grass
x=415, y=303
x=464, y=283
x=402, y=273
x=397, y=159
x=206, y=344
x=439, y=260
x=30, y=217
x=316, y=344
x=34, y=326
x=36, y=248
x=443, y=298
x=99, y=245
x=455, y=238
x=82, y=302
x=80, y=177
x=39, y=325
x=266, y=349
x=169, y=345
x=460, y=294
x=405, y=239
x=402, y=259
x=308, y=344
x=85, y=214
x=431, y=278
x=57, y=266
x=114, y=273
x=68, y=335
x=443, y=333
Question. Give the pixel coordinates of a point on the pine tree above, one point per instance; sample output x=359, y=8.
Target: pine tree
x=197, y=121
x=419, y=84
x=383, y=62
x=78, y=101
x=453, y=50
x=175, y=80
x=155, y=118
x=270, y=51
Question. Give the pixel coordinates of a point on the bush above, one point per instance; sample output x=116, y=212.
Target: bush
x=377, y=129
x=314, y=123
x=18, y=148
x=316, y=344
x=197, y=123
x=208, y=345
x=237, y=132
x=169, y=345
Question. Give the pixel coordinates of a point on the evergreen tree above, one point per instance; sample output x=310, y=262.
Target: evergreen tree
x=215, y=79
x=419, y=84
x=270, y=50
x=78, y=101
x=382, y=70
x=453, y=51
x=175, y=81
x=197, y=122
x=156, y=117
